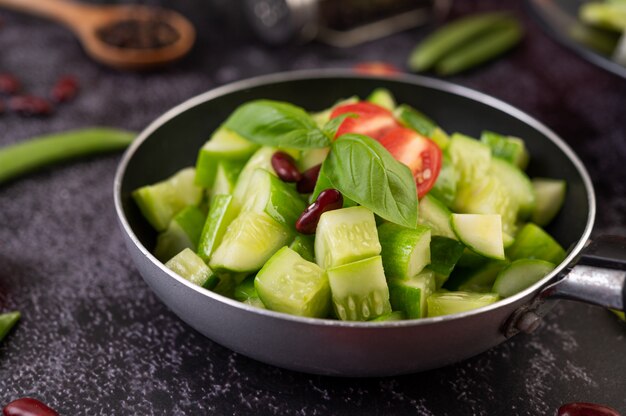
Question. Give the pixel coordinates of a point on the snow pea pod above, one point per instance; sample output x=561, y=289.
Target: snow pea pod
x=7, y=322
x=30, y=155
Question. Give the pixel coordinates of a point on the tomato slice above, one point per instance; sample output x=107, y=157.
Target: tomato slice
x=418, y=152
x=371, y=120
x=376, y=68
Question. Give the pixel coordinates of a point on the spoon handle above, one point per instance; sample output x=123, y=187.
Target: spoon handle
x=67, y=12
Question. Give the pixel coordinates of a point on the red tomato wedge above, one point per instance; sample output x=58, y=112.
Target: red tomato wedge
x=371, y=120
x=418, y=152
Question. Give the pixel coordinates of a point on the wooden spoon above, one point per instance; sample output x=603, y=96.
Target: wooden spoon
x=86, y=20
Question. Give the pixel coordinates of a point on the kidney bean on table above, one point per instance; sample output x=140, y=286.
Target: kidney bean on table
x=30, y=105
x=586, y=409
x=285, y=167
x=27, y=406
x=9, y=84
x=306, y=185
x=65, y=89
x=327, y=200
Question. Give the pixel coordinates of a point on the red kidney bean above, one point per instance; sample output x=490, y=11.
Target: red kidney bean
x=9, y=84
x=285, y=167
x=30, y=105
x=327, y=200
x=586, y=409
x=65, y=89
x=27, y=406
x=306, y=185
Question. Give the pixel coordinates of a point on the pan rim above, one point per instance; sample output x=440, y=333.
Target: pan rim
x=303, y=75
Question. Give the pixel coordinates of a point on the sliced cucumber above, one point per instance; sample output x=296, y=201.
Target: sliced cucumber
x=478, y=280
x=511, y=149
x=183, y=232
x=224, y=145
x=276, y=198
x=480, y=233
x=440, y=137
x=436, y=215
x=160, y=202
x=405, y=251
x=445, y=186
x=470, y=157
x=532, y=242
x=245, y=292
x=359, y=290
x=221, y=213
x=228, y=282
x=516, y=184
x=250, y=240
x=191, y=267
x=448, y=303
x=519, y=275
x=444, y=254
x=392, y=316
x=344, y=236
x=550, y=195
x=225, y=178
x=304, y=245
x=312, y=157
x=469, y=259
x=383, y=98
x=409, y=295
x=288, y=283
x=415, y=120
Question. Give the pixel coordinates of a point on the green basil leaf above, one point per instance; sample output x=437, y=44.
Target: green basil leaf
x=277, y=124
x=365, y=172
x=331, y=127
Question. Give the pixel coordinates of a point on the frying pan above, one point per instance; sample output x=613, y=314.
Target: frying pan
x=330, y=347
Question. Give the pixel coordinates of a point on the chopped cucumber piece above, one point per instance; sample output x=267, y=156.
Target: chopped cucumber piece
x=160, y=202
x=183, y=232
x=322, y=117
x=409, y=295
x=415, y=120
x=392, y=316
x=245, y=292
x=511, y=149
x=445, y=186
x=228, y=282
x=224, y=145
x=276, y=198
x=250, y=240
x=470, y=157
x=405, y=251
x=478, y=280
x=344, y=236
x=383, y=98
x=550, y=195
x=225, y=178
x=191, y=267
x=221, y=213
x=312, y=157
x=480, y=233
x=304, y=245
x=519, y=275
x=440, y=137
x=469, y=259
x=532, y=242
x=359, y=290
x=436, y=215
x=444, y=254
x=288, y=283
x=448, y=303
x=7, y=322
x=516, y=184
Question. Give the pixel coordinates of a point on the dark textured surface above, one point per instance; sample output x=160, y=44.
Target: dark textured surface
x=93, y=338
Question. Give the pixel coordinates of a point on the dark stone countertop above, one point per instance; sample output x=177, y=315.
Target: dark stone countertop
x=94, y=340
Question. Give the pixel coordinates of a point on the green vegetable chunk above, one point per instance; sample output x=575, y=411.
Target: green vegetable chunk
x=159, y=203
x=437, y=216
x=511, y=149
x=444, y=254
x=288, y=283
x=479, y=279
x=610, y=16
x=445, y=186
x=409, y=295
x=183, y=232
x=7, y=322
x=225, y=179
x=191, y=267
x=415, y=120
x=221, y=213
x=520, y=275
x=344, y=236
x=532, y=242
x=550, y=195
x=405, y=251
x=245, y=292
x=480, y=233
x=304, y=245
x=516, y=185
x=31, y=155
x=383, y=98
x=391, y=316
x=359, y=290
x=448, y=303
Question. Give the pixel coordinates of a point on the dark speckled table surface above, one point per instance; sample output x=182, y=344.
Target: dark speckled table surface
x=94, y=340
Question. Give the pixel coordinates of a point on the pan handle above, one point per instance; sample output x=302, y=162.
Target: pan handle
x=599, y=278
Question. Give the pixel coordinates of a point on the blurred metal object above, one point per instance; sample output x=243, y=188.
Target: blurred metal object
x=340, y=23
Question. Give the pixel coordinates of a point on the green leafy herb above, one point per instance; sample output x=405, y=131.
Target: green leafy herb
x=331, y=127
x=365, y=172
x=277, y=124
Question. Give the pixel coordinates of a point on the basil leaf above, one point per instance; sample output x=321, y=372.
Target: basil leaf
x=277, y=124
x=331, y=127
x=365, y=172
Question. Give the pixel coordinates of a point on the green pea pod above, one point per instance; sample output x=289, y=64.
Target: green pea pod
x=30, y=155
x=450, y=37
x=7, y=322
x=483, y=49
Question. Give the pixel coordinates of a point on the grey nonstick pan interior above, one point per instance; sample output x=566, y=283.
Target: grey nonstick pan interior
x=348, y=348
